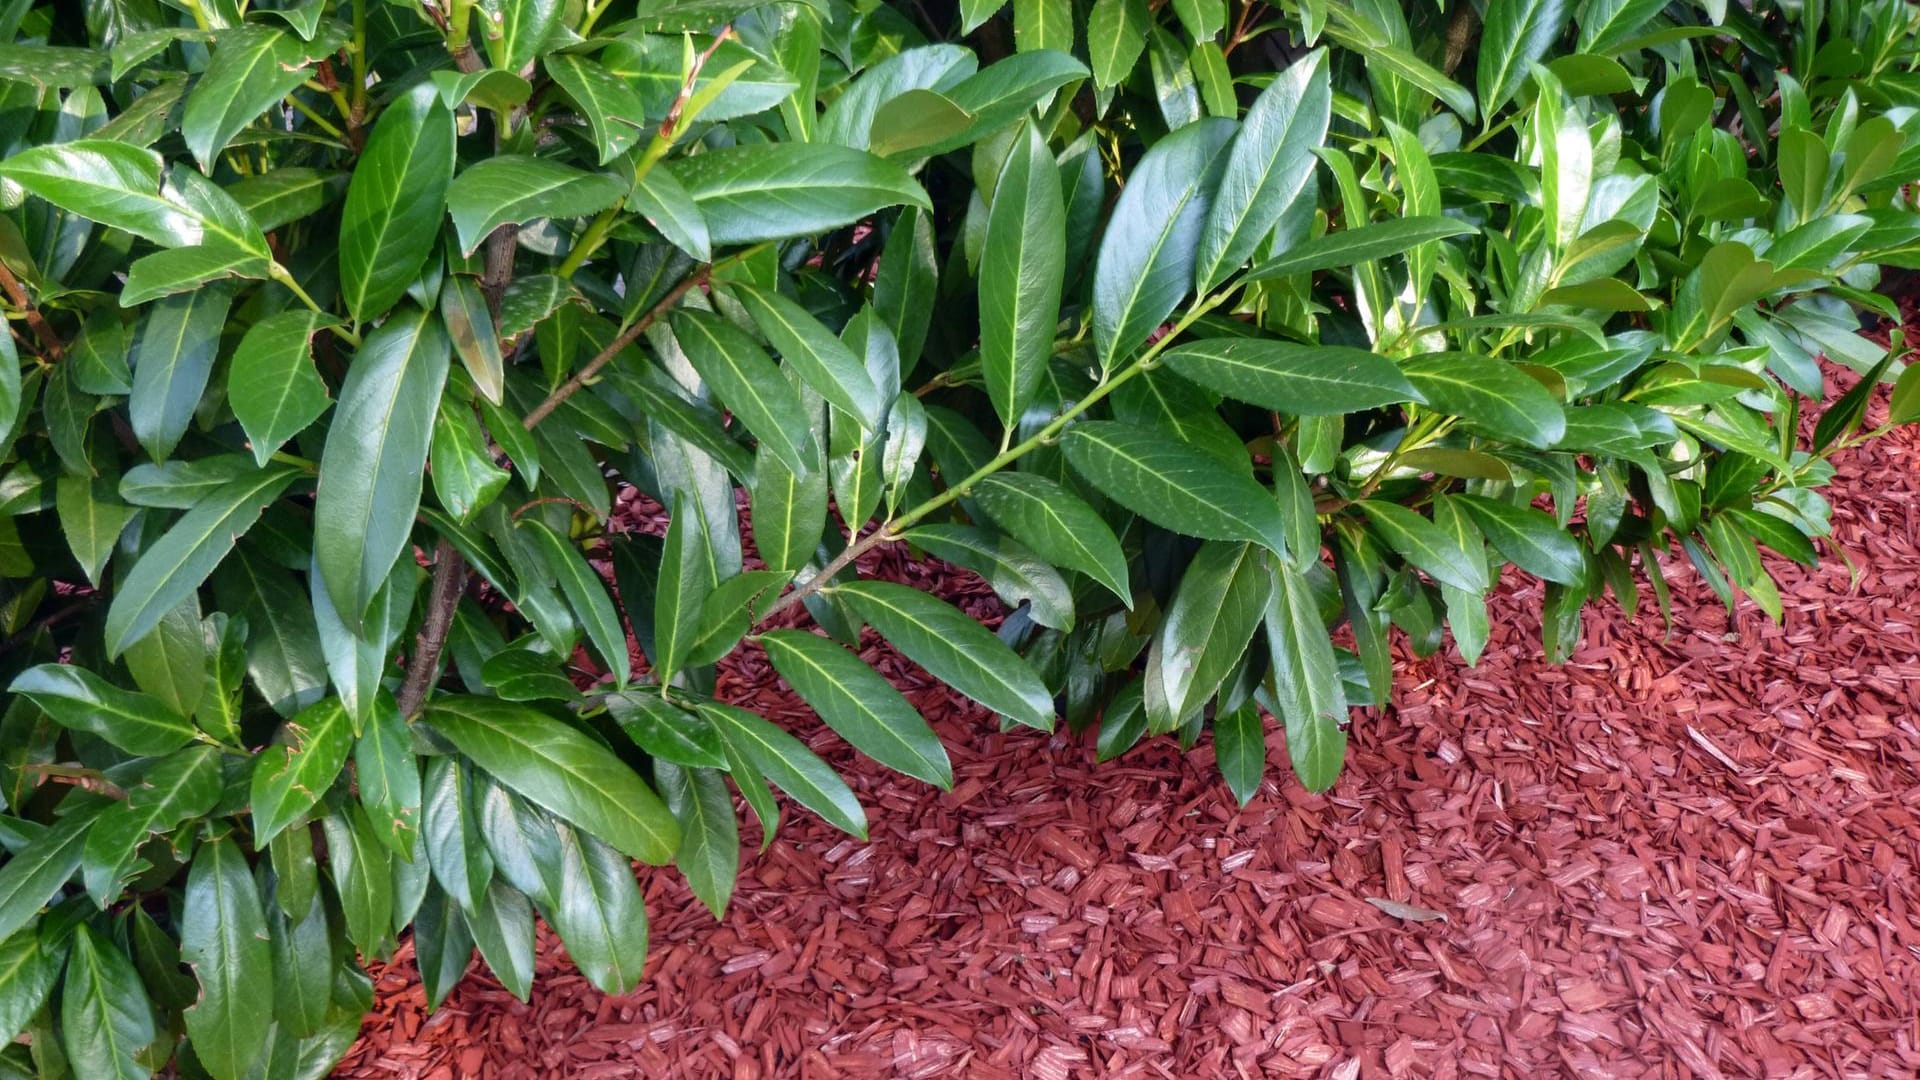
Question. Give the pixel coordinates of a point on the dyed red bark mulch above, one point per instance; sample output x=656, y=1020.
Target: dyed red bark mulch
x=1686, y=856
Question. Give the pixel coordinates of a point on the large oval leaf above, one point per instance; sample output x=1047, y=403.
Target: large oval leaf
x=395, y=201
x=1490, y=394
x=376, y=456
x=290, y=777
x=556, y=767
x=105, y=1017
x=774, y=191
x=1174, y=485
x=514, y=189
x=954, y=648
x=1146, y=259
x=1302, y=380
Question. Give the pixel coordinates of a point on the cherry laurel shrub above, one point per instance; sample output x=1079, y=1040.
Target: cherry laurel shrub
x=1203, y=332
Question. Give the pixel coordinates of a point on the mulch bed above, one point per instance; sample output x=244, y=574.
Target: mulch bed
x=1686, y=855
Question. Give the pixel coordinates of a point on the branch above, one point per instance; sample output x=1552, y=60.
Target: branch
x=627, y=337
x=449, y=581
x=49, y=341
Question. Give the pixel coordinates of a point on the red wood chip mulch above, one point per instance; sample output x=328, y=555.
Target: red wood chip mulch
x=1685, y=856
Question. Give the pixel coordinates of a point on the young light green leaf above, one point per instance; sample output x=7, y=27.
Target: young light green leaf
x=556, y=767
x=376, y=456
x=858, y=704
x=1175, y=486
x=395, y=201
x=1516, y=33
x=954, y=648
x=1303, y=380
x=273, y=388
x=1022, y=268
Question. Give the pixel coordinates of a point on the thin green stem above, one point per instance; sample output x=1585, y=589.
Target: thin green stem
x=359, y=114
x=317, y=120
x=284, y=276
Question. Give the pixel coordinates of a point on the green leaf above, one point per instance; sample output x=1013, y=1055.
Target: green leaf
x=1058, y=525
x=789, y=764
x=1175, y=486
x=659, y=198
x=302, y=951
x=812, y=351
x=1022, y=268
x=1116, y=36
x=1426, y=545
x=172, y=358
x=613, y=110
x=290, y=777
x=587, y=594
x=464, y=474
x=470, y=326
x=858, y=704
x=284, y=656
x=1528, y=537
x=907, y=124
x=35, y=874
x=687, y=576
x=1903, y=407
x=442, y=945
x=80, y=700
x=362, y=879
x=1303, y=380
x=501, y=922
x=281, y=196
x=1607, y=24
x=666, y=731
x=953, y=648
x=395, y=201
x=730, y=610
x=1365, y=243
x=558, y=768
x=273, y=388
x=455, y=847
x=389, y=778
x=1146, y=260
x=710, y=851
x=1042, y=24
x=1515, y=33
x=375, y=457
x=789, y=512
x=524, y=27
x=1214, y=611
x=775, y=191
x=1016, y=574
x=92, y=519
x=28, y=972
x=1490, y=394
x=179, y=270
x=1308, y=696
x=1240, y=749
x=513, y=189
x=747, y=382
x=249, y=70
x=179, y=787
x=105, y=1017
x=598, y=912
x=223, y=937
x=113, y=183
x=1268, y=165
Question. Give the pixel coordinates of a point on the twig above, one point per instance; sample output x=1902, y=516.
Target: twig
x=85, y=779
x=49, y=341
x=627, y=337
x=882, y=535
x=449, y=581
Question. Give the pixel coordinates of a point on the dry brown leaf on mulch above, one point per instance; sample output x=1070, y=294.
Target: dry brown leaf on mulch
x=1672, y=856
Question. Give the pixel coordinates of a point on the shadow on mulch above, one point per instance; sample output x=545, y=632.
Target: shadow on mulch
x=1691, y=855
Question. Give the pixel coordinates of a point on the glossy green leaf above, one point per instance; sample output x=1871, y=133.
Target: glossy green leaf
x=362, y=879
x=1516, y=33
x=667, y=731
x=687, y=576
x=476, y=340
x=598, y=911
x=78, y=699
x=1147, y=258
x=710, y=851
x=558, y=768
x=1175, y=486
x=513, y=190
x=1016, y=574
x=1116, y=36
x=388, y=776
x=1490, y=394
x=748, y=382
x=1307, y=696
x=1021, y=272
x=465, y=477
x=1528, y=537
x=273, y=387
x=1240, y=750
x=249, y=70
x=501, y=922
x=181, y=786
x=395, y=202
x=781, y=190
x=376, y=457
x=92, y=519
x=223, y=937
x=1304, y=380
x=34, y=875
x=858, y=704
x=1268, y=164
x=105, y=1017
x=290, y=777
x=1365, y=243
x=786, y=761
x=28, y=972
x=1426, y=545
x=1058, y=525
x=172, y=359
x=812, y=351
x=954, y=648
x=1215, y=609
x=789, y=511
x=613, y=110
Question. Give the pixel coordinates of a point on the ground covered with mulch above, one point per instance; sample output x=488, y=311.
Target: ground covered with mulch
x=1686, y=855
